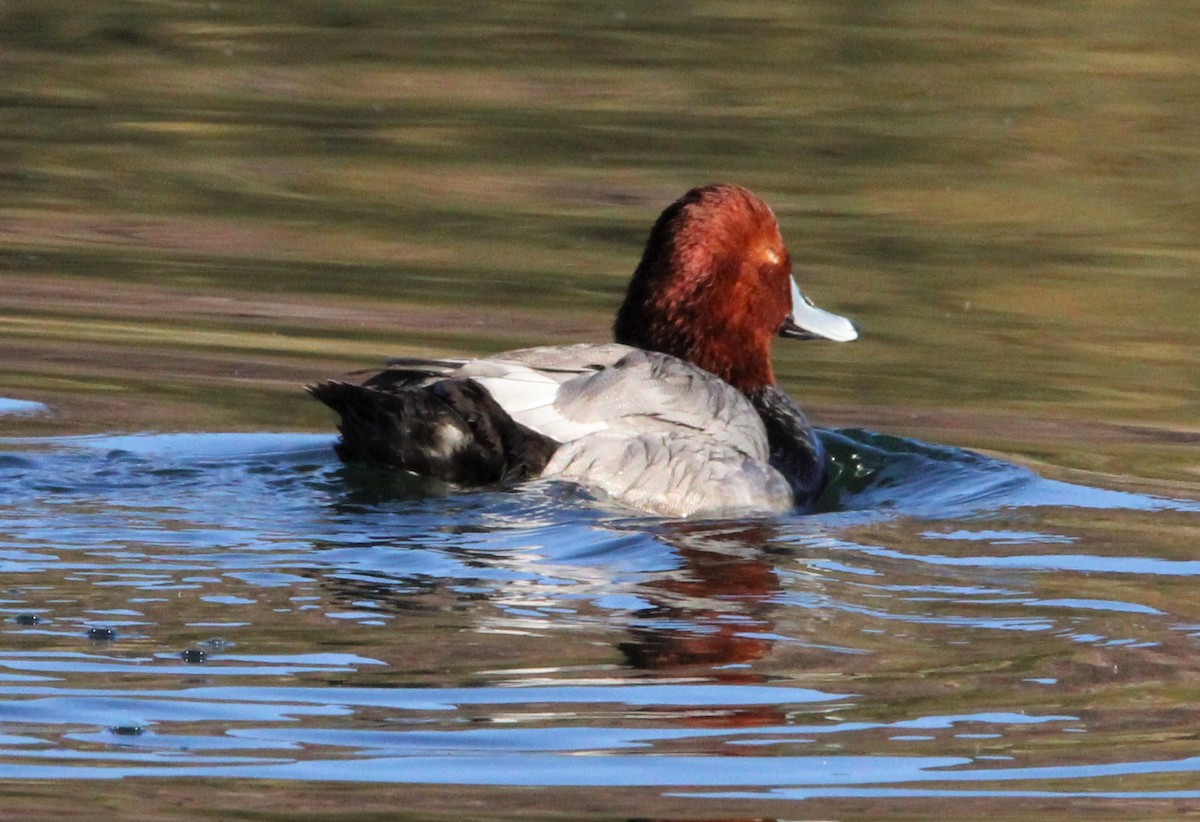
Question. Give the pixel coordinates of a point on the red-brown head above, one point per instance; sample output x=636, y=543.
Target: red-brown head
x=715, y=286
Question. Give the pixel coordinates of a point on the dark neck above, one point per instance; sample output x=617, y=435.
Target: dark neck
x=795, y=450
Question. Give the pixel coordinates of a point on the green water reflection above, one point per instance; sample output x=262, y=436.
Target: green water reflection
x=1003, y=196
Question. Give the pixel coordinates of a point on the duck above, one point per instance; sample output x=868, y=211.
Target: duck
x=679, y=416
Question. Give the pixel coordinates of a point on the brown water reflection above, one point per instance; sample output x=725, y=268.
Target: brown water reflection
x=723, y=593
x=1002, y=195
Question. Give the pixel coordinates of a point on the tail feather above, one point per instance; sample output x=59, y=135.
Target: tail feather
x=451, y=430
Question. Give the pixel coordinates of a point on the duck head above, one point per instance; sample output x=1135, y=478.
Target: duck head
x=715, y=287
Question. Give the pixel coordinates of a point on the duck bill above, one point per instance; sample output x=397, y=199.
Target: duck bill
x=807, y=322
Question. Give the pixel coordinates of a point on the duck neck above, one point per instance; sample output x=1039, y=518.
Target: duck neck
x=739, y=359
x=796, y=452
x=739, y=355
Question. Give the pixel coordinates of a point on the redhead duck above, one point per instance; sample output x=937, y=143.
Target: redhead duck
x=680, y=416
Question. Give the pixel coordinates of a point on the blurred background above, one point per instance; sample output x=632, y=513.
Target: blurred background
x=204, y=205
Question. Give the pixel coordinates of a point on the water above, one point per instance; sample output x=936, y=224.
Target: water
x=204, y=206
x=950, y=625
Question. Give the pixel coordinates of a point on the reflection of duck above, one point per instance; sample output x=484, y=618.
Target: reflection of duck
x=713, y=612
x=681, y=417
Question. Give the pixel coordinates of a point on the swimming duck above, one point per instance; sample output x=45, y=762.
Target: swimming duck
x=681, y=416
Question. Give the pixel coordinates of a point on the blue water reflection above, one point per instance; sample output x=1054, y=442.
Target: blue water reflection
x=926, y=626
